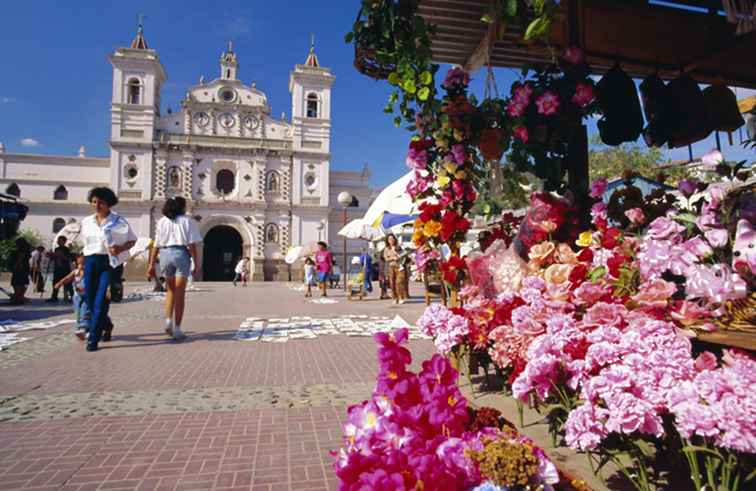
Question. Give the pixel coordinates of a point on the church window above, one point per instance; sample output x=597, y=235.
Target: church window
x=58, y=225
x=132, y=172
x=271, y=233
x=13, y=190
x=61, y=193
x=273, y=183
x=312, y=106
x=224, y=181
x=135, y=92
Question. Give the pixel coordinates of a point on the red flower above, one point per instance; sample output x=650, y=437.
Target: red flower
x=611, y=238
x=585, y=256
x=451, y=224
x=578, y=274
x=600, y=223
x=614, y=264
x=451, y=269
x=428, y=211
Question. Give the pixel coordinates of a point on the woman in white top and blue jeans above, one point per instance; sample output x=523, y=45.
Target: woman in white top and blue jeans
x=107, y=240
x=176, y=239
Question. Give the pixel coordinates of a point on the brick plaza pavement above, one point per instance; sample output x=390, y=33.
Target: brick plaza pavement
x=210, y=412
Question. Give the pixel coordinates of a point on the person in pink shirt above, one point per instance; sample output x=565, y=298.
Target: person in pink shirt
x=323, y=265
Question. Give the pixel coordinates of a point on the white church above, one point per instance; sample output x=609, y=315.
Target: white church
x=256, y=184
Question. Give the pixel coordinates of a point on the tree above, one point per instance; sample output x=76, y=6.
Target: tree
x=8, y=246
x=612, y=162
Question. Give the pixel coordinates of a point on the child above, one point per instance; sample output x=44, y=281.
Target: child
x=324, y=265
x=309, y=276
x=80, y=306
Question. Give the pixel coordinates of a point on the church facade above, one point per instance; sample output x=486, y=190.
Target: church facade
x=257, y=184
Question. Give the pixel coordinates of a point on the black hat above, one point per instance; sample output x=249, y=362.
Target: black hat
x=623, y=119
x=722, y=108
x=657, y=109
x=689, y=110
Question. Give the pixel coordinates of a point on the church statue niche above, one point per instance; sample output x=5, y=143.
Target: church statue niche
x=271, y=233
x=174, y=178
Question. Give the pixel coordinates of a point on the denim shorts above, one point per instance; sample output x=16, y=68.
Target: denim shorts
x=175, y=261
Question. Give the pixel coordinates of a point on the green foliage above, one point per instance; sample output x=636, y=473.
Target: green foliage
x=613, y=162
x=8, y=246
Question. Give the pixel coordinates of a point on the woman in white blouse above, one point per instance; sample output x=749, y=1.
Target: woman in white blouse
x=176, y=239
x=107, y=239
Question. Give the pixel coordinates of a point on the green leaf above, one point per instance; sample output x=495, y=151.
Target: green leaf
x=393, y=97
x=348, y=37
x=511, y=8
x=426, y=78
x=423, y=93
x=597, y=273
x=393, y=78
x=397, y=121
x=388, y=109
x=536, y=28
x=486, y=19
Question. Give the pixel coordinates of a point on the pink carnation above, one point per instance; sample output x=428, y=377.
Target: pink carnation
x=521, y=133
x=598, y=188
x=635, y=215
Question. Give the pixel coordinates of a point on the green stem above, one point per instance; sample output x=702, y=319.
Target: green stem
x=520, y=412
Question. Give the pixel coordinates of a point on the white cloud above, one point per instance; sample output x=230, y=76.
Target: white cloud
x=29, y=142
x=7, y=100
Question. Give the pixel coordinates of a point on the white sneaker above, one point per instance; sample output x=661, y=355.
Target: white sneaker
x=169, y=327
x=177, y=334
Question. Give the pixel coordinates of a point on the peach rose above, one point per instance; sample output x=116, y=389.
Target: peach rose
x=655, y=293
x=566, y=255
x=541, y=253
x=556, y=274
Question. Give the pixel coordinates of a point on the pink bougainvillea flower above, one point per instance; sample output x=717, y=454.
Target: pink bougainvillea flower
x=516, y=109
x=573, y=55
x=598, y=188
x=521, y=133
x=583, y=95
x=706, y=361
x=547, y=103
x=635, y=215
x=522, y=93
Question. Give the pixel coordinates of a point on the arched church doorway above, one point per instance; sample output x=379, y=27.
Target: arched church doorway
x=221, y=251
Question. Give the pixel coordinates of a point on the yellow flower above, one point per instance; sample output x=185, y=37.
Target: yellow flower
x=432, y=228
x=417, y=237
x=450, y=167
x=441, y=143
x=585, y=239
x=460, y=174
x=458, y=135
x=443, y=181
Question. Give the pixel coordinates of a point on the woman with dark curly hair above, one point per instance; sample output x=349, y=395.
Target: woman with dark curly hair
x=176, y=239
x=107, y=240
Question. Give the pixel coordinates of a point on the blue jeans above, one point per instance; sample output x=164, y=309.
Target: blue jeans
x=97, y=277
x=82, y=311
x=175, y=261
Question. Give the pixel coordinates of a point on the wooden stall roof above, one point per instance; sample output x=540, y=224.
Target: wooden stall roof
x=645, y=36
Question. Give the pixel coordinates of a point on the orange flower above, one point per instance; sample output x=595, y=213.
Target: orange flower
x=432, y=228
x=566, y=255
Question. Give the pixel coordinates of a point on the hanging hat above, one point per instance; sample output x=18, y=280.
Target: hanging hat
x=722, y=108
x=656, y=107
x=689, y=110
x=622, y=119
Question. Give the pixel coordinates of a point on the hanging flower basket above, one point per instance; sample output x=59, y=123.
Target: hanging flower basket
x=366, y=62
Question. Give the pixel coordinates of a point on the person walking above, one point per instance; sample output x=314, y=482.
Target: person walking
x=35, y=265
x=323, y=265
x=366, y=260
x=392, y=255
x=240, y=271
x=176, y=239
x=62, y=259
x=76, y=278
x=107, y=240
x=18, y=265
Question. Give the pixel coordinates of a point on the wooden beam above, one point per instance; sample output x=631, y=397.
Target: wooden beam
x=481, y=54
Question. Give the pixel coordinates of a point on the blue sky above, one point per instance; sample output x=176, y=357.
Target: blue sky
x=55, y=92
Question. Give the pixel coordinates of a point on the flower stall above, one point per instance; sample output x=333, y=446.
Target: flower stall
x=627, y=324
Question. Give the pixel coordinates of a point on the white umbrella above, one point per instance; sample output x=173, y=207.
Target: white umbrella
x=393, y=199
x=296, y=253
x=359, y=229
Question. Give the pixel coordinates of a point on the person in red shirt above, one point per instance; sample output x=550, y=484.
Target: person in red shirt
x=323, y=265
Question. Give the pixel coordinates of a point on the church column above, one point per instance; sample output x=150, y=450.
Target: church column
x=187, y=171
x=159, y=177
x=188, y=122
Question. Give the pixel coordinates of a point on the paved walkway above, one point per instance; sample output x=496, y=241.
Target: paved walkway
x=211, y=412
